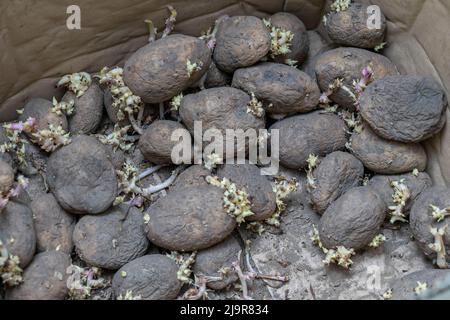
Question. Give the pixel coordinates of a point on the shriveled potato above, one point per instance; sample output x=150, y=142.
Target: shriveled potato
x=192, y=177
x=313, y=133
x=404, y=288
x=387, y=157
x=404, y=108
x=166, y=67
x=216, y=77
x=353, y=220
x=88, y=110
x=350, y=27
x=241, y=41
x=151, y=277
x=286, y=88
x=189, y=219
x=17, y=231
x=54, y=227
x=81, y=176
x=257, y=186
x=44, y=279
x=337, y=172
x=40, y=109
x=6, y=177
x=347, y=64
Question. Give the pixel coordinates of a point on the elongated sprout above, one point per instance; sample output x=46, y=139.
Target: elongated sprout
x=438, y=246
x=400, y=197
x=78, y=83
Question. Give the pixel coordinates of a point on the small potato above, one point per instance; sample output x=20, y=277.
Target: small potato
x=313, y=133
x=241, y=41
x=6, y=177
x=159, y=70
x=347, y=64
x=216, y=77
x=111, y=239
x=337, y=172
x=192, y=177
x=404, y=108
x=353, y=220
x=81, y=176
x=54, y=227
x=40, y=109
x=190, y=219
x=44, y=279
x=404, y=287
x=387, y=157
x=350, y=27
x=151, y=277
x=286, y=88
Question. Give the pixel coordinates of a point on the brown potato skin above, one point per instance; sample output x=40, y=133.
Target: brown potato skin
x=189, y=219
x=6, y=177
x=312, y=133
x=288, y=89
x=353, y=220
x=337, y=172
x=403, y=288
x=347, y=63
x=241, y=41
x=387, y=157
x=404, y=108
x=44, y=279
x=153, y=277
x=157, y=71
x=40, y=109
x=216, y=77
x=192, y=177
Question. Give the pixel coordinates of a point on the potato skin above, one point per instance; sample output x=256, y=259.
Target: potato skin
x=216, y=77
x=189, y=219
x=40, y=109
x=6, y=177
x=44, y=279
x=157, y=71
x=404, y=108
x=81, y=176
x=192, y=177
x=337, y=172
x=288, y=89
x=112, y=239
x=153, y=277
x=403, y=288
x=312, y=133
x=387, y=157
x=353, y=220
x=241, y=41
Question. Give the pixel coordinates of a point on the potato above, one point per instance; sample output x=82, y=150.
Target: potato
x=241, y=41
x=216, y=77
x=192, y=177
x=44, y=279
x=54, y=227
x=151, y=277
x=353, y=220
x=387, y=157
x=88, y=110
x=210, y=261
x=81, y=176
x=158, y=71
x=317, y=46
x=351, y=27
x=156, y=144
x=337, y=172
x=6, y=177
x=17, y=231
x=347, y=64
x=313, y=133
x=40, y=109
x=288, y=89
x=404, y=108
x=189, y=219
x=404, y=287
x=257, y=186
x=111, y=239
x=36, y=160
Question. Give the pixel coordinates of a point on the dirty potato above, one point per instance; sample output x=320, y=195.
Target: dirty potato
x=407, y=287
x=192, y=177
x=41, y=110
x=6, y=177
x=216, y=77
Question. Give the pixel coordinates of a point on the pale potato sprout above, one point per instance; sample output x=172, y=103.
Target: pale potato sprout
x=192, y=67
x=439, y=246
x=129, y=296
x=255, y=107
x=10, y=271
x=281, y=39
x=377, y=241
x=78, y=83
x=51, y=138
x=175, y=103
x=212, y=160
x=380, y=47
x=387, y=295
x=420, y=288
x=340, y=5
x=438, y=213
x=81, y=281
x=185, y=270
x=400, y=196
x=63, y=107
x=170, y=22
x=291, y=62
x=312, y=162
x=117, y=139
x=415, y=172
x=20, y=185
x=282, y=188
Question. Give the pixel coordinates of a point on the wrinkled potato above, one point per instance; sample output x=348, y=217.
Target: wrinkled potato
x=404, y=108
x=159, y=70
x=387, y=157
x=350, y=27
x=40, y=109
x=44, y=279
x=81, y=176
x=192, y=177
x=353, y=220
x=54, y=227
x=111, y=239
x=241, y=41
x=190, y=219
x=35, y=158
x=404, y=287
x=6, y=177
x=283, y=89
x=347, y=64
x=313, y=133
x=337, y=172
x=216, y=77
x=151, y=277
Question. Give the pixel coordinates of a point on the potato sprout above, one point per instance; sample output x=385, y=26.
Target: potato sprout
x=282, y=188
x=399, y=197
x=63, y=107
x=255, y=107
x=20, y=186
x=377, y=241
x=78, y=83
x=312, y=164
x=439, y=246
x=380, y=47
x=185, y=270
x=10, y=271
x=82, y=281
x=281, y=39
x=117, y=139
x=129, y=296
x=438, y=213
x=212, y=160
x=387, y=295
x=421, y=287
x=175, y=103
x=340, y=5
x=193, y=67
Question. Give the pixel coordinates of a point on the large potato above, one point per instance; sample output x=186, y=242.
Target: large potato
x=6, y=177
x=288, y=89
x=404, y=287
x=159, y=70
x=40, y=109
x=404, y=108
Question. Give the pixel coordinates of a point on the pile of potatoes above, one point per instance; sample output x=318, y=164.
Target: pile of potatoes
x=89, y=198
